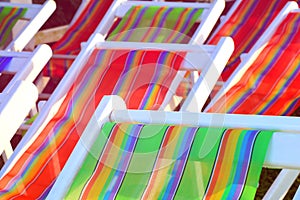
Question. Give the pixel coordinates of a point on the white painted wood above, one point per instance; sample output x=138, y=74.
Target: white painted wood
x=209, y=76
x=27, y=65
x=14, y=109
x=282, y=184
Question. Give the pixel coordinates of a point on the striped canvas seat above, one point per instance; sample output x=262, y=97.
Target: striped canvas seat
x=141, y=18
x=137, y=161
x=245, y=25
x=9, y=17
x=135, y=75
x=77, y=33
x=156, y=24
x=270, y=85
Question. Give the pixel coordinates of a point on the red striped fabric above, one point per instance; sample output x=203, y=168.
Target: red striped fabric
x=245, y=26
x=77, y=33
x=271, y=85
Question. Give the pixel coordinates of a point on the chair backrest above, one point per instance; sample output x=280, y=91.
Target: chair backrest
x=267, y=84
x=141, y=76
x=33, y=17
x=164, y=26
x=245, y=23
x=165, y=161
x=138, y=24
x=153, y=157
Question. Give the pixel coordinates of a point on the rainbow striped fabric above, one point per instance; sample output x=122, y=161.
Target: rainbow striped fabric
x=77, y=33
x=156, y=24
x=134, y=161
x=141, y=27
x=170, y=25
x=134, y=75
x=271, y=85
x=4, y=61
x=8, y=18
x=249, y=20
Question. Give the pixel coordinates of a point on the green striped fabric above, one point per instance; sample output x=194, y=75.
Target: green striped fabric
x=8, y=18
x=156, y=24
x=133, y=161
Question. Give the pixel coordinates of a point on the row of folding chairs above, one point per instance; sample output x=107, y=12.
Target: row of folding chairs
x=146, y=75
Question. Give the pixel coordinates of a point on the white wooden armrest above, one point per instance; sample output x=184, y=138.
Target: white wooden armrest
x=14, y=108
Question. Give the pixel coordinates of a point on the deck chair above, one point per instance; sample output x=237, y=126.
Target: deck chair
x=134, y=154
x=278, y=159
x=282, y=143
x=20, y=22
x=20, y=95
x=245, y=22
x=170, y=31
x=107, y=69
x=266, y=83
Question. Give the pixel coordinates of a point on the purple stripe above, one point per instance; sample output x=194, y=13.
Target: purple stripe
x=291, y=77
x=125, y=160
x=294, y=105
x=251, y=42
x=128, y=65
x=4, y=61
x=262, y=75
x=243, y=164
x=160, y=25
x=178, y=169
x=79, y=26
x=136, y=23
x=186, y=24
x=160, y=62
